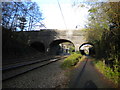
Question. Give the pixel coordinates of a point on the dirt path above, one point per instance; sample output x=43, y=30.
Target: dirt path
x=86, y=76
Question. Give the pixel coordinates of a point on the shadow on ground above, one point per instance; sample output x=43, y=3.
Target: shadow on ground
x=90, y=84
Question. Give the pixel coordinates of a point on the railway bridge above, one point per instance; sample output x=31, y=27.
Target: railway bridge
x=49, y=39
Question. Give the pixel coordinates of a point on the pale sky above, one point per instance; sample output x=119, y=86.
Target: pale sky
x=73, y=16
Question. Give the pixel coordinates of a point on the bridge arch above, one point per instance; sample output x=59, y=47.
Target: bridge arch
x=86, y=43
x=54, y=46
x=87, y=48
x=39, y=46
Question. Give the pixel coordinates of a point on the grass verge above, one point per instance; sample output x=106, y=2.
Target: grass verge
x=113, y=75
x=71, y=61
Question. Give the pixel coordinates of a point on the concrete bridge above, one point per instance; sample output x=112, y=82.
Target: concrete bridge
x=48, y=40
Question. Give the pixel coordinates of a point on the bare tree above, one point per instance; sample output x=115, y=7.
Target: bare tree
x=22, y=15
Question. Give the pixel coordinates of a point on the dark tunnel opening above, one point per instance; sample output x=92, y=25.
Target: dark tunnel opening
x=38, y=46
x=87, y=49
x=60, y=47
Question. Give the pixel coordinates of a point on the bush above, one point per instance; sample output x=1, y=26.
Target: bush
x=72, y=50
x=107, y=71
x=70, y=61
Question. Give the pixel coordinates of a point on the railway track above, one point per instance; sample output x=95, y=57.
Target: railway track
x=13, y=71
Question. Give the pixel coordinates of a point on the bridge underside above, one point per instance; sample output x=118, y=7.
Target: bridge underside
x=38, y=46
x=56, y=47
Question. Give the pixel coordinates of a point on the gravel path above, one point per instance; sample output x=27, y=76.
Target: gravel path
x=87, y=76
x=50, y=76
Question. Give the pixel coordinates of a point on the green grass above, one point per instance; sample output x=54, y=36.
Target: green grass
x=71, y=61
x=108, y=72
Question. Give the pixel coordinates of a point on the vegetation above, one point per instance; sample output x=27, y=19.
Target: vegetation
x=71, y=61
x=19, y=16
x=103, y=30
x=108, y=72
x=72, y=49
x=15, y=46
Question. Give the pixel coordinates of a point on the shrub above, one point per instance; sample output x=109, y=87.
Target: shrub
x=107, y=71
x=70, y=61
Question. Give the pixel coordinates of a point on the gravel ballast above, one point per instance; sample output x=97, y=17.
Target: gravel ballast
x=49, y=76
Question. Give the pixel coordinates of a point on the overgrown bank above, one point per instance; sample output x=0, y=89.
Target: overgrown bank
x=110, y=73
x=71, y=61
x=18, y=16
x=15, y=46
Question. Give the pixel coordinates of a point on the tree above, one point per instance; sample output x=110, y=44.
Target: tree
x=103, y=29
x=22, y=22
x=23, y=15
x=106, y=24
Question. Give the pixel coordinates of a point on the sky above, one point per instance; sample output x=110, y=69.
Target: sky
x=73, y=16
